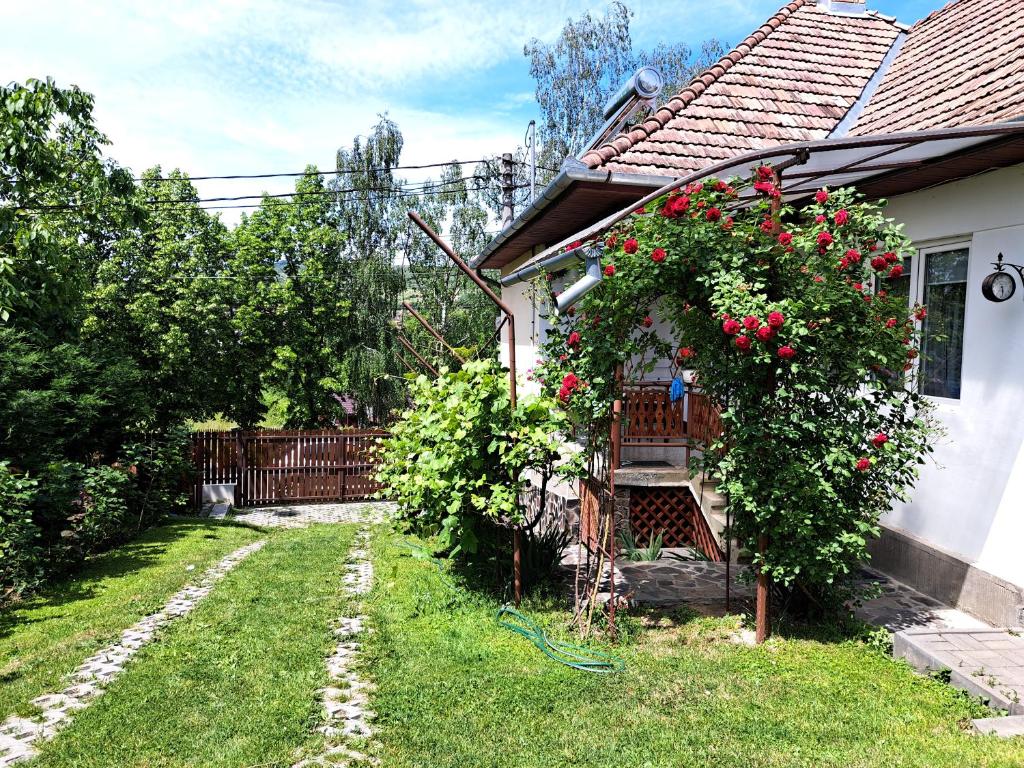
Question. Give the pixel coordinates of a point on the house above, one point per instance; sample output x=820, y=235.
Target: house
x=930, y=117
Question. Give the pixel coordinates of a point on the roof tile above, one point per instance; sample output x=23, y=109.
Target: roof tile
x=961, y=65
x=793, y=79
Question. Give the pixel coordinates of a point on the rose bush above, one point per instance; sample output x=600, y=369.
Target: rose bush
x=785, y=318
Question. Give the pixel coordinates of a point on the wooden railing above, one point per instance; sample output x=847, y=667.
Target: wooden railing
x=652, y=419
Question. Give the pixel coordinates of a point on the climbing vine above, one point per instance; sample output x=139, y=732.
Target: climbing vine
x=793, y=321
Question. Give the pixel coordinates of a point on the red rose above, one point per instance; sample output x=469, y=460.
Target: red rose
x=685, y=353
x=731, y=327
x=878, y=263
x=571, y=311
x=786, y=352
x=742, y=343
x=819, y=279
x=611, y=241
x=853, y=255
x=764, y=333
x=767, y=226
x=819, y=219
x=573, y=245
x=896, y=271
x=920, y=313
x=776, y=319
x=863, y=464
x=766, y=188
x=631, y=245
x=751, y=322
x=658, y=255
x=859, y=286
x=824, y=239
x=648, y=322
x=785, y=238
x=843, y=264
x=713, y=214
x=892, y=322
x=609, y=270
x=840, y=217
x=573, y=340
x=880, y=439
x=890, y=257
x=720, y=186
x=821, y=196
x=727, y=224
x=641, y=209
x=765, y=173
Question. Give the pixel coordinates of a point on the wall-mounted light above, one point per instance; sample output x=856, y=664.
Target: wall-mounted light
x=1000, y=285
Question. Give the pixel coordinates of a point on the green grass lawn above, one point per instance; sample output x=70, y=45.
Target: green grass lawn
x=46, y=637
x=456, y=690
x=234, y=683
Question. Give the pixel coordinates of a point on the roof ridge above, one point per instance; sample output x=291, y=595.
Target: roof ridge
x=623, y=141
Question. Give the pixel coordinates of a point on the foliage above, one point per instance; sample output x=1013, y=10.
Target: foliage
x=20, y=568
x=636, y=552
x=456, y=460
x=785, y=319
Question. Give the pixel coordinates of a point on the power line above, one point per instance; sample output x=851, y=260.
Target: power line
x=291, y=174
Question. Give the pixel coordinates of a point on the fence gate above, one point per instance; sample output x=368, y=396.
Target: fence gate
x=276, y=466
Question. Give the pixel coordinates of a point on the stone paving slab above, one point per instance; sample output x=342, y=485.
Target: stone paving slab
x=303, y=515
x=984, y=662
x=1003, y=727
x=346, y=698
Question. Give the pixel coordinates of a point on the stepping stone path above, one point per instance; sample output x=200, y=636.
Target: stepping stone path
x=345, y=698
x=19, y=736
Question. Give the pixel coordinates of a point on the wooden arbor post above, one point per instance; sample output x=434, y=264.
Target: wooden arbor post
x=517, y=541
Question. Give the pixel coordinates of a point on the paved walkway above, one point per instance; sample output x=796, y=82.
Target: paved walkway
x=302, y=515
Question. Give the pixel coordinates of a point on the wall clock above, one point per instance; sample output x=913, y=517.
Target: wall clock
x=1000, y=285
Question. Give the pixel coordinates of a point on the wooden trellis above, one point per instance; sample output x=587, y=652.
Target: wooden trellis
x=672, y=512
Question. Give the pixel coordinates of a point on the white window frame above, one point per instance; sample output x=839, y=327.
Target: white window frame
x=917, y=277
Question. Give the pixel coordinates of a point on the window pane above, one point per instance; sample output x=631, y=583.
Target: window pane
x=900, y=286
x=945, y=295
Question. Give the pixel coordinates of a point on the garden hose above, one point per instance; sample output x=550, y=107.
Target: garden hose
x=575, y=656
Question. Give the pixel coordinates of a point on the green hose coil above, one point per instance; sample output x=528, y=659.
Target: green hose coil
x=575, y=656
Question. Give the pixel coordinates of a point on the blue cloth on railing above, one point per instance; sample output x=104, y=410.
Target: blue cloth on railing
x=676, y=392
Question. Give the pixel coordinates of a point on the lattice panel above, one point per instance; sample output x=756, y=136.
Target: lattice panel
x=674, y=514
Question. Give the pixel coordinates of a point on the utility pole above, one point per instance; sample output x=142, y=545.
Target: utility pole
x=507, y=202
x=531, y=136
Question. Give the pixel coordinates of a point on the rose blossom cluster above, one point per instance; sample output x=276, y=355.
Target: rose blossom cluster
x=864, y=463
x=752, y=328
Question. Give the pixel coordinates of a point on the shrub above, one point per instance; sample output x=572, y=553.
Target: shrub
x=19, y=537
x=455, y=461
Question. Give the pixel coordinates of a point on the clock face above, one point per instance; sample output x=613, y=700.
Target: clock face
x=999, y=286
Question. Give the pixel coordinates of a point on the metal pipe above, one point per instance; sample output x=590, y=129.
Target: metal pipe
x=509, y=316
x=432, y=332
x=581, y=287
x=531, y=132
x=517, y=575
x=405, y=343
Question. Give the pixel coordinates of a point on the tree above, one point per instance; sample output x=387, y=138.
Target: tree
x=161, y=302
x=579, y=72
x=59, y=200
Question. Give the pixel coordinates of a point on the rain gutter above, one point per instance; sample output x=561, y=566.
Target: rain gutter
x=572, y=171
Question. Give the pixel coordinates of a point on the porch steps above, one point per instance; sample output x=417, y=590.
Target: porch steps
x=712, y=505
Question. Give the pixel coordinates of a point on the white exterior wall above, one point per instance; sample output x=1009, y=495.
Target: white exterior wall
x=971, y=503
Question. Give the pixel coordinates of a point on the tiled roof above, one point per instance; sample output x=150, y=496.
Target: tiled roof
x=961, y=65
x=793, y=79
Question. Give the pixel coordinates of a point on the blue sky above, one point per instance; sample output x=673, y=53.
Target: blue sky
x=254, y=86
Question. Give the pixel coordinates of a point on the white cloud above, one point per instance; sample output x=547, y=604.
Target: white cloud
x=256, y=86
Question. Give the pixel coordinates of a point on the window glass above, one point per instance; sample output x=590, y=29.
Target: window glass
x=945, y=295
x=900, y=286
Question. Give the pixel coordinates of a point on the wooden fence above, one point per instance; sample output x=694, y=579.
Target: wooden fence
x=280, y=465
